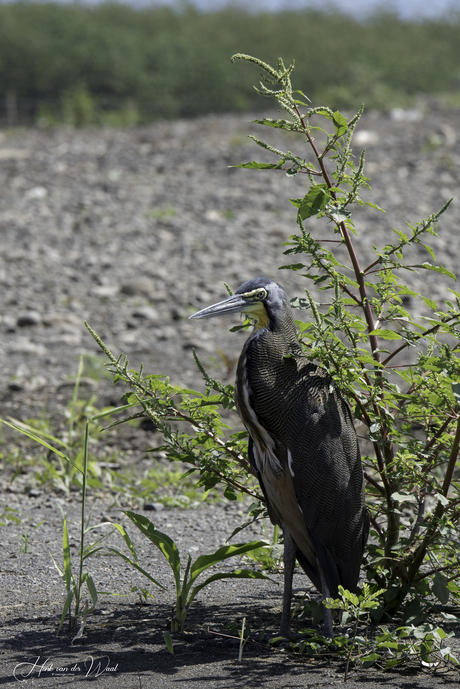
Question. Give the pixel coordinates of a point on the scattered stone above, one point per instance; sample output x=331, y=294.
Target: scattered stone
x=34, y=493
x=142, y=286
x=410, y=115
x=14, y=153
x=146, y=312
x=36, y=383
x=23, y=346
x=9, y=323
x=36, y=193
x=153, y=506
x=365, y=137
x=28, y=318
x=213, y=216
x=15, y=386
x=129, y=337
x=105, y=290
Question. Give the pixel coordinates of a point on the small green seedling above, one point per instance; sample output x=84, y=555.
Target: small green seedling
x=186, y=589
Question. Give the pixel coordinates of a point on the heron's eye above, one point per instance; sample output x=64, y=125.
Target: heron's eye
x=261, y=294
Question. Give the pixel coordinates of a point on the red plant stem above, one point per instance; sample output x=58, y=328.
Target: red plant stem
x=382, y=459
x=374, y=483
x=438, y=433
x=418, y=337
x=351, y=251
x=440, y=509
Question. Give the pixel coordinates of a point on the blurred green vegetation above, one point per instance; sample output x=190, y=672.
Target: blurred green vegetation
x=113, y=64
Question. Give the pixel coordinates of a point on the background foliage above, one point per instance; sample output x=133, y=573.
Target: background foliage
x=173, y=62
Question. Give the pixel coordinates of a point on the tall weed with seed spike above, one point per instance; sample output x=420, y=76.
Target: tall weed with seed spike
x=400, y=372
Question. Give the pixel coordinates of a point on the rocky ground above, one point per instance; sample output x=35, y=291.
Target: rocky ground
x=132, y=231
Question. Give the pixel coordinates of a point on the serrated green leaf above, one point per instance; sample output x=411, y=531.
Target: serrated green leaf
x=254, y=165
x=429, y=302
x=374, y=205
x=340, y=123
x=442, y=499
x=279, y=124
x=430, y=251
x=386, y=334
x=293, y=266
x=340, y=214
x=315, y=200
x=403, y=289
x=404, y=497
x=301, y=93
x=437, y=269
x=439, y=588
x=369, y=660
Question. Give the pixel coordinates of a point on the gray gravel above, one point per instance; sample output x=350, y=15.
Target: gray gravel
x=133, y=231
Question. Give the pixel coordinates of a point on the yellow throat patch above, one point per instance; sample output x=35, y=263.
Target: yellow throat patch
x=258, y=312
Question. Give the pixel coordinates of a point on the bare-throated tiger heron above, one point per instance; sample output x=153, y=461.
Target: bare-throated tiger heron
x=302, y=447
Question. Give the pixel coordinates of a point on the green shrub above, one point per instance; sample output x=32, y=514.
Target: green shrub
x=411, y=410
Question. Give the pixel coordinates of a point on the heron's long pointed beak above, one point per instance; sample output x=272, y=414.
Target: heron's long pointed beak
x=234, y=304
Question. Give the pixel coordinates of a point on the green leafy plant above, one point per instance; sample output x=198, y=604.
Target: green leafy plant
x=243, y=634
x=271, y=554
x=74, y=582
x=25, y=539
x=423, y=645
x=355, y=607
x=217, y=456
x=10, y=515
x=186, y=589
x=62, y=468
x=399, y=371
x=352, y=334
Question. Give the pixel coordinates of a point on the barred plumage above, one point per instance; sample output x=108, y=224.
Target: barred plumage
x=302, y=447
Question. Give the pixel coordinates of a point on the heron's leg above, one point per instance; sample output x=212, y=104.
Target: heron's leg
x=327, y=615
x=289, y=564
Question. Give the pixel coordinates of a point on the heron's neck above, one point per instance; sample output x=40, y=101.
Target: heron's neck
x=280, y=333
